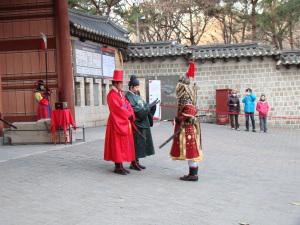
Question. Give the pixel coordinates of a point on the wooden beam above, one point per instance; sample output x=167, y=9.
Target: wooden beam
x=25, y=87
x=25, y=44
x=31, y=16
x=28, y=77
x=26, y=7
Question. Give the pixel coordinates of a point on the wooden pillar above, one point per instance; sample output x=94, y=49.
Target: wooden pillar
x=64, y=54
x=1, y=108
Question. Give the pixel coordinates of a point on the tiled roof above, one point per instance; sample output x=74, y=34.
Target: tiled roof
x=157, y=49
x=98, y=25
x=289, y=58
x=232, y=51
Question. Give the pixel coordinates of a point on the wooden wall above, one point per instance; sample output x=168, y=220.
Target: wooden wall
x=22, y=63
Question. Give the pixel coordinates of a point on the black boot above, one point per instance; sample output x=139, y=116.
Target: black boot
x=126, y=171
x=141, y=166
x=134, y=166
x=119, y=169
x=190, y=172
x=193, y=175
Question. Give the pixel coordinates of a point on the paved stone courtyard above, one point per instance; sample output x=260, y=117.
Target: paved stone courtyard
x=245, y=178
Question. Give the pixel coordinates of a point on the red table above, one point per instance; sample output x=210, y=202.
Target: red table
x=61, y=119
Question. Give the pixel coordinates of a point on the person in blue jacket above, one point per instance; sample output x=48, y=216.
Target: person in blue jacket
x=249, y=108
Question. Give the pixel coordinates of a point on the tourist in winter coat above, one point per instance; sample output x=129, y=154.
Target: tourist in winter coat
x=249, y=108
x=263, y=108
x=234, y=109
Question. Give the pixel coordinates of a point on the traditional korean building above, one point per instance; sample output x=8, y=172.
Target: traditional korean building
x=222, y=67
x=82, y=52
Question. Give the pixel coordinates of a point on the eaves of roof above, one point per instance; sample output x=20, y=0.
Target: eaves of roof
x=98, y=26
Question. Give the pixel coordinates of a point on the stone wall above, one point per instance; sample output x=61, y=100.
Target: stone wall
x=90, y=115
x=281, y=86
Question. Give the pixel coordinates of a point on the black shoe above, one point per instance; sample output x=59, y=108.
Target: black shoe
x=254, y=131
x=135, y=166
x=141, y=166
x=120, y=171
x=122, y=168
x=189, y=178
x=247, y=130
x=193, y=175
x=126, y=171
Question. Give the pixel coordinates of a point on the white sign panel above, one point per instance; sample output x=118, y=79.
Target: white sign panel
x=109, y=65
x=88, y=62
x=155, y=93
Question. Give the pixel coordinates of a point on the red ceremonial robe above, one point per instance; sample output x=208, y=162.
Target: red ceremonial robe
x=119, y=144
x=43, y=106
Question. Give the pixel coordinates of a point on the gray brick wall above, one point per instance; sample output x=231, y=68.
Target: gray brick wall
x=282, y=87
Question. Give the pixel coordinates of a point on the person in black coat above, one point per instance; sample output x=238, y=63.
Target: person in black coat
x=234, y=109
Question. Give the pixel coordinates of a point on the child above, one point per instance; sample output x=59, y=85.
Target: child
x=263, y=108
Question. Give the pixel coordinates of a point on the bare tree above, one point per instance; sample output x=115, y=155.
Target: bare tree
x=253, y=19
x=161, y=20
x=231, y=21
x=97, y=7
x=196, y=15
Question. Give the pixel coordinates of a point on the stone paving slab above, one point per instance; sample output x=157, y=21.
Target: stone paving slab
x=246, y=177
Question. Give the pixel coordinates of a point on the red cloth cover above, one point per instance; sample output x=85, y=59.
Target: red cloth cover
x=61, y=118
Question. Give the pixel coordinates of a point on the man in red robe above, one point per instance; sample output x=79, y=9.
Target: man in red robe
x=119, y=144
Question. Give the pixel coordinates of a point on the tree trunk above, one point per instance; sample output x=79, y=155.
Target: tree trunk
x=274, y=40
x=192, y=37
x=243, y=32
x=280, y=42
x=291, y=35
x=253, y=19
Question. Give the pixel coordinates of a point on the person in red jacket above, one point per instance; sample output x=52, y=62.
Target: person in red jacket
x=263, y=108
x=119, y=144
